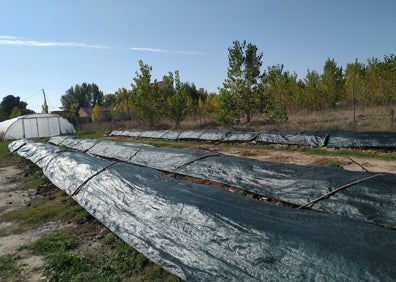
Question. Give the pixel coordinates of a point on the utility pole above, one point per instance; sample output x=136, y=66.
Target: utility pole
x=45, y=106
x=354, y=106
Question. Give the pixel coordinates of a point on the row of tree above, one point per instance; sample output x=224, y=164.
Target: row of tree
x=247, y=91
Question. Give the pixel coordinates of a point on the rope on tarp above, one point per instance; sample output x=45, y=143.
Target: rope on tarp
x=20, y=146
x=338, y=189
x=358, y=164
x=79, y=188
x=197, y=159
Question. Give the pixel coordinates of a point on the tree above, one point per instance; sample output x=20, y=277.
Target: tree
x=275, y=85
x=381, y=80
x=228, y=112
x=178, y=99
x=85, y=95
x=146, y=97
x=355, y=81
x=14, y=105
x=242, y=76
x=332, y=82
x=313, y=94
x=96, y=113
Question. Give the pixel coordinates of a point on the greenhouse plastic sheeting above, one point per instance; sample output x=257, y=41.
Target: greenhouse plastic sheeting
x=372, y=200
x=204, y=233
x=304, y=138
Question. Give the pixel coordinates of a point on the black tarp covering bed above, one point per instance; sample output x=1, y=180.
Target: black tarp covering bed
x=372, y=200
x=303, y=138
x=320, y=138
x=204, y=233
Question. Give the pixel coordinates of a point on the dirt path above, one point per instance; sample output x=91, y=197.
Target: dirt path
x=11, y=197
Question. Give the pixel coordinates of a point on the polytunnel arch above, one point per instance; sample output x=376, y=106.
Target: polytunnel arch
x=35, y=126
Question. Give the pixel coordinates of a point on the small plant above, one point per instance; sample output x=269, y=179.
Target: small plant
x=334, y=164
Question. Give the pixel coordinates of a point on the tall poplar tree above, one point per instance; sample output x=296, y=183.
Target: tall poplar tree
x=243, y=77
x=146, y=96
x=332, y=82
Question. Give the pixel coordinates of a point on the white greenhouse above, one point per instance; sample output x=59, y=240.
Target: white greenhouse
x=34, y=126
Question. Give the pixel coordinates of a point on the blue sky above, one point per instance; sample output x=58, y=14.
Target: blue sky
x=53, y=45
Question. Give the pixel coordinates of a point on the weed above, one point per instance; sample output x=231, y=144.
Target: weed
x=334, y=164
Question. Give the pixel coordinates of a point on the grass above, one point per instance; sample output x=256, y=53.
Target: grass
x=8, y=268
x=116, y=260
x=6, y=159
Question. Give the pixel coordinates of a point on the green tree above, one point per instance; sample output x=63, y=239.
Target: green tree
x=11, y=104
x=274, y=85
x=355, y=81
x=178, y=100
x=313, y=98
x=228, y=112
x=85, y=95
x=332, y=82
x=381, y=81
x=242, y=77
x=145, y=96
x=15, y=112
x=96, y=113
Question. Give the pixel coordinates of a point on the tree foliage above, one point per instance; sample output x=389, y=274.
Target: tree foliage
x=12, y=106
x=177, y=98
x=145, y=96
x=242, y=78
x=84, y=95
x=275, y=85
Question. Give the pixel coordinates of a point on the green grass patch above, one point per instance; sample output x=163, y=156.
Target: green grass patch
x=6, y=158
x=9, y=271
x=56, y=242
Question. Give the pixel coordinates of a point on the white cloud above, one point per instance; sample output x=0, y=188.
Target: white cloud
x=178, y=52
x=15, y=41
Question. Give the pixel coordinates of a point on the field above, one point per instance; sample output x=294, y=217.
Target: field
x=44, y=234
x=365, y=119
